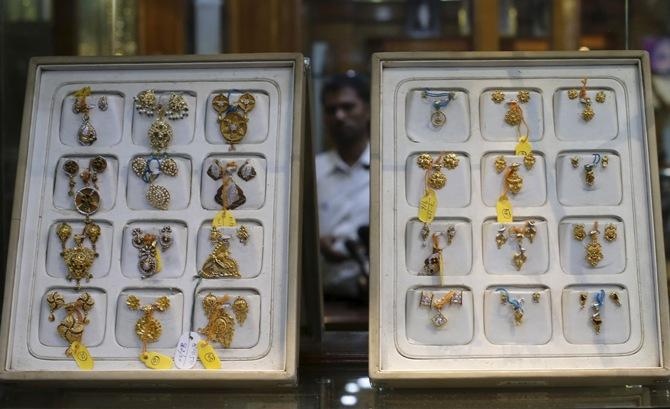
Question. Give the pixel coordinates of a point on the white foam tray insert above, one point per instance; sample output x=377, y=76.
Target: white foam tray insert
x=260, y=344
x=553, y=194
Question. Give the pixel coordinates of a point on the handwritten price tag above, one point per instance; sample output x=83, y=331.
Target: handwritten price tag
x=186, y=353
x=427, y=206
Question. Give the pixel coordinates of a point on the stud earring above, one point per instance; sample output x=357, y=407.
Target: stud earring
x=536, y=297
x=574, y=161
x=500, y=164
x=529, y=160
x=578, y=232
x=177, y=107
x=614, y=296
x=497, y=96
x=219, y=263
x=451, y=234
x=426, y=299
x=605, y=161
x=148, y=328
x=246, y=172
x=530, y=231
x=501, y=237
x=86, y=133
x=515, y=303
x=243, y=235
x=149, y=247
x=440, y=102
x=582, y=300
x=523, y=96
x=220, y=324
x=71, y=328
x=610, y=232
x=103, y=104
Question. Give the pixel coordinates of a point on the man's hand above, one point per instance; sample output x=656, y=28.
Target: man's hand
x=327, y=244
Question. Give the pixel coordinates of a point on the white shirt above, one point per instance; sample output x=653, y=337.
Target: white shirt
x=343, y=194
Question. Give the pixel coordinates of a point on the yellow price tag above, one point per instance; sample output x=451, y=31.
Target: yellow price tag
x=523, y=148
x=83, y=92
x=427, y=206
x=159, y=262
x=154, y=360
x=224, y=218
x=207, y=355
x=504, y=210
x=81, y=356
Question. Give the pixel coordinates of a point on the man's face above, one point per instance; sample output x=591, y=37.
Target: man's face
x=346, y=116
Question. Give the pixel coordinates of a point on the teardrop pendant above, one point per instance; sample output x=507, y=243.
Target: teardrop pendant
x=87, y=133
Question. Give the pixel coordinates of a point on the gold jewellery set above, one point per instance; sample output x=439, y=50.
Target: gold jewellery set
x=516, y=304
x=87, y=134
x=513, y=182
x=233, y=116
x=160, y=136
x=427, y=299
x=593, y=248
x=439, y=102
x=598, y=302
x=517, y=235
x=591, y=167
x=587, y=113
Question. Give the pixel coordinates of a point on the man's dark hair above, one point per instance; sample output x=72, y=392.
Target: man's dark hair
x=357, y=82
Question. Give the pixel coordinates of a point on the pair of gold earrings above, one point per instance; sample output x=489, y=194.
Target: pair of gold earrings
x=518, y=234
x=599, y=300
x=428, y=300
x=590, y=168
x=434, y=263
x=587, y=113
x=594, y=249
x=233, y=117
x=514, y=114
x=87, y=134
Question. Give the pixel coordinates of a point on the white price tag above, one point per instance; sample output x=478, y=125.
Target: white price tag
x=186, y=353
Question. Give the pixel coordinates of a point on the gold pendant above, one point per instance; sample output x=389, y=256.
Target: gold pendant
x=71, y=328
x=519, y=258
x=594, y=252
x=148, y=328
x=219, y=263
x=589, y=174
x=160, y=133
x=220, y=325
x=513, y=180
x=79, y=259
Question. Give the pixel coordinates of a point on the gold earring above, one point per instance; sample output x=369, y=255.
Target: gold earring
x=451, y=234
x=71, y=168
x=610, y=232
x=523, y=96
x=497, y=96
x=600, y=97
x=500, y=164
x=529, y=160
x=148, y=328
x=243, y=234
x=614, y=296
x=146, y=102
x=574, y=161
x=536, y=297
x=501, y=238
x=513, y=180
x=177, y=107
x=605, y=161
x=530, y=231
x=71, y=327
x=582, y=300
x=578, y=232
x=219, y=263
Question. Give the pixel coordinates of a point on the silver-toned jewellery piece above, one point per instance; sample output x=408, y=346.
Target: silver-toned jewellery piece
x=103, y=104
x=149, y=245
x=229, y=195
x=428, y=300
x=86, y=134
x=434, y=263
